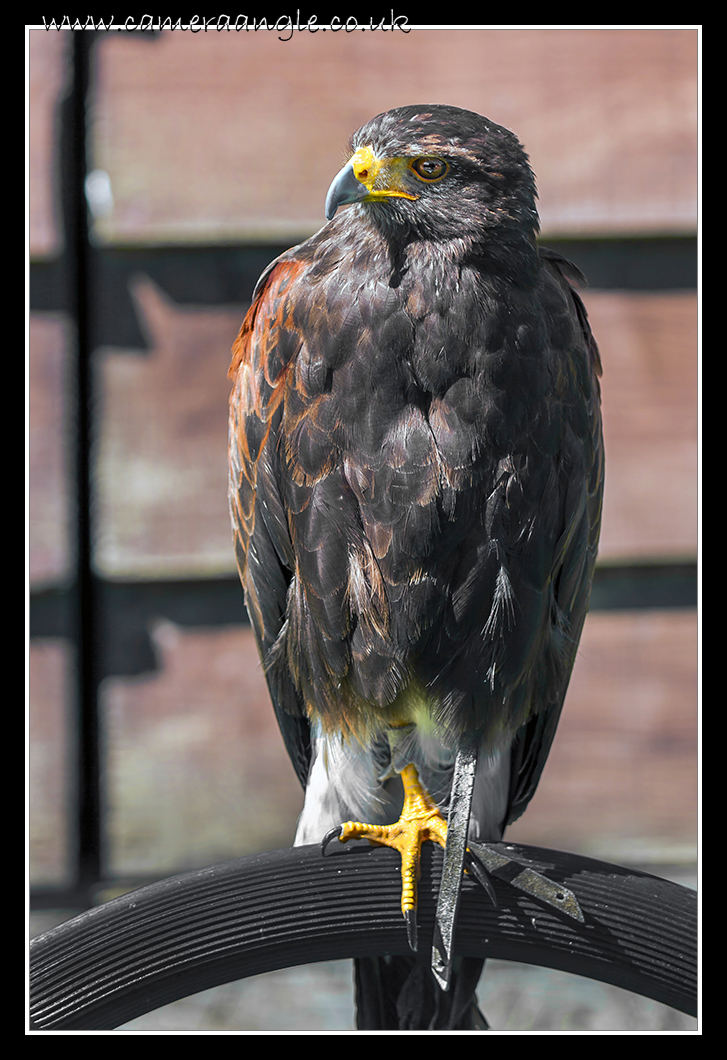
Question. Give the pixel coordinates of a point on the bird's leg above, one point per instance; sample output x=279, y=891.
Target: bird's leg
x=420, y=820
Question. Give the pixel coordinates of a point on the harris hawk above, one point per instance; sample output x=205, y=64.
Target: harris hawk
x=416, y=477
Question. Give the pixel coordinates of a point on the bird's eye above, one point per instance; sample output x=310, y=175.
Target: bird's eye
x=429, y=168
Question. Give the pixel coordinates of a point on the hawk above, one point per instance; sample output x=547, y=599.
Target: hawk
x=416, y=477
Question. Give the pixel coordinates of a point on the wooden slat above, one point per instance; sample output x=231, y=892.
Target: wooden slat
x=163, y=435
x=621, y=778
x=648, y=346
x=237, y=136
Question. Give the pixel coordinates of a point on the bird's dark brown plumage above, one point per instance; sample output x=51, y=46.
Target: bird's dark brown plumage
x=416, y=472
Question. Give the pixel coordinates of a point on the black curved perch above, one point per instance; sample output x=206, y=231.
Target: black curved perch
x=290, y=907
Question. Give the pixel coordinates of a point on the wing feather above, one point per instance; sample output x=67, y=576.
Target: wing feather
x=574, y=558
x=261, y=533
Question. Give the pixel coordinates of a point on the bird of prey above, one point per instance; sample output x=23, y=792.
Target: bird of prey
x=416, y=475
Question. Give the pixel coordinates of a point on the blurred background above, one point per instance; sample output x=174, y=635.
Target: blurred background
x=165, y=171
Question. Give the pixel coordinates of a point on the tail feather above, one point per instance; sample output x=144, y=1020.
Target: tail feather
x=400, y=993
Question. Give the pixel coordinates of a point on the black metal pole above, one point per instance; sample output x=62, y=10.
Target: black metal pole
x=86, y=637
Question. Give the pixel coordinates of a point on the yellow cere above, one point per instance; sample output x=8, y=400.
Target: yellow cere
x=383, y=177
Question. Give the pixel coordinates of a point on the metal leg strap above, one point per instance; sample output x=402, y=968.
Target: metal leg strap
x=463, y=783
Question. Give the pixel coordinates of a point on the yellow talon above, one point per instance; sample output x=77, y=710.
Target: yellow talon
x=420, y=820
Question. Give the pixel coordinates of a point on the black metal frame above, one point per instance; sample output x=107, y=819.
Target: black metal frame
x=290, y=907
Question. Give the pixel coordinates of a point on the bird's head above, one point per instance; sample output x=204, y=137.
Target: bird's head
x=440, y=173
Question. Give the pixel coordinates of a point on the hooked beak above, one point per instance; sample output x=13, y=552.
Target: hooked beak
x=345, y=188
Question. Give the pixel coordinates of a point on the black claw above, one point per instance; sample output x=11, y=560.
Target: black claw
x=481, y=874
x=412, y=933
x=330, y=836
